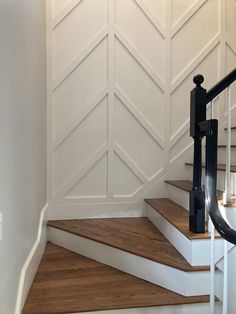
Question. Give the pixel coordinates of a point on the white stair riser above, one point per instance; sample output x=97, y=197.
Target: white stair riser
x=220, y=179
x=222, y=134
x=178, y=196
x=202, y=308
x=221, y=155
x=184, y=283
x=196, y=252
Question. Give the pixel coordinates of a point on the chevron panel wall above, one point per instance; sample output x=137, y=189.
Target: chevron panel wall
x=120, y=72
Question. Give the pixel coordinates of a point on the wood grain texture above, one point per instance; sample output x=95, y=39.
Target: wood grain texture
x=220, y=167
x=70, y=283
x=232, y=128
x=134, y=235
x=177, y=216
x=186, y=185
x=224, y=146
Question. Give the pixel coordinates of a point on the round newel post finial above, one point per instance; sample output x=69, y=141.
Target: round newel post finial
x=198, y=80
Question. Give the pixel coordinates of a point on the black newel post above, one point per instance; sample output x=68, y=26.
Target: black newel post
x=197, y=195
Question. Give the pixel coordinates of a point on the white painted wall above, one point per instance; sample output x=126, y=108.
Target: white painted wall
x=22, y=137
x=119, y=77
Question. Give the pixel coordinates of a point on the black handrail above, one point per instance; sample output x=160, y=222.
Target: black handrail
x=220, y=86
x=200, y=127
x=210, y=128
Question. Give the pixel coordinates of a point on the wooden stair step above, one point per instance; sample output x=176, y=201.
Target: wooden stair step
x=220, y=167
x=186, y=185
x=134, y=235
x=224, y=146
x=232, y=128
x=67, y=282
x=177, y=216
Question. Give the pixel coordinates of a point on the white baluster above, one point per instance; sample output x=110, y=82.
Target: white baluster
x=208, y=220
x=227, y=193
x=225, y=285
x=212, y=269
x=227, y=198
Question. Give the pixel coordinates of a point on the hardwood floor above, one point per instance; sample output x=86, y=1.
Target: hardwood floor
x=135, y=235
x=70, y=283
x=177, y=216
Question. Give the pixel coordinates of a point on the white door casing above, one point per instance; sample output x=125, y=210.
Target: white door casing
x=119, y=76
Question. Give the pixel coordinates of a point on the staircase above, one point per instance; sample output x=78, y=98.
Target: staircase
x=151, y=264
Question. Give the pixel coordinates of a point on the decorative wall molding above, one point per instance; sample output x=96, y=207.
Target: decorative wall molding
x=137, y=66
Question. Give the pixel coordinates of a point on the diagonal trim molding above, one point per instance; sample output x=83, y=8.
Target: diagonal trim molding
x=78, y=118
x=94, y=43
x=65, y=12
x=150, y=16
x=139, y=116
x=167, y=79
x=186, y=16
x=141, y=61
x=77, y=176
x=130, y=163
x=195, y=62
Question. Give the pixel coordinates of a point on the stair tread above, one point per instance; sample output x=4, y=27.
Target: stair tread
x=177, y=216
x=186, y=185
x=67, y=282
x=134, y=235
x=220, y=167
x=232, y=128
x=224, y=146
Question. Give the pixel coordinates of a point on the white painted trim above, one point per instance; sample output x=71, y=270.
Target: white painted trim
x=185, y=283
x=93, y=44
x=139, y=116
x=141, y=61
x=68, y=8
x=195, y=62
x=151, y=17
x=186, y=16
x=177, y=239
x=202, y=308
x=96, y=210
x=32, y=261
x=178, y=196
x=196, y=252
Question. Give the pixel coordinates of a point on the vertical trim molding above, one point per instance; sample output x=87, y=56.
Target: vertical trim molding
x=111, y=95
x=32, y=262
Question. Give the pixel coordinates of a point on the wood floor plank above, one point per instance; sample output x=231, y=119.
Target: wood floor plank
x=177, y=216
x=70, y=283
x=135, y=235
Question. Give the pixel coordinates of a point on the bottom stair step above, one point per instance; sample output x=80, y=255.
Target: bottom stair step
x=134, y=246
x=67, y=282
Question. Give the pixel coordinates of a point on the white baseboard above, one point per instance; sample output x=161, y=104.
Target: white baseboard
x=202, y=308
x=103, y=210
x=31, y=264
